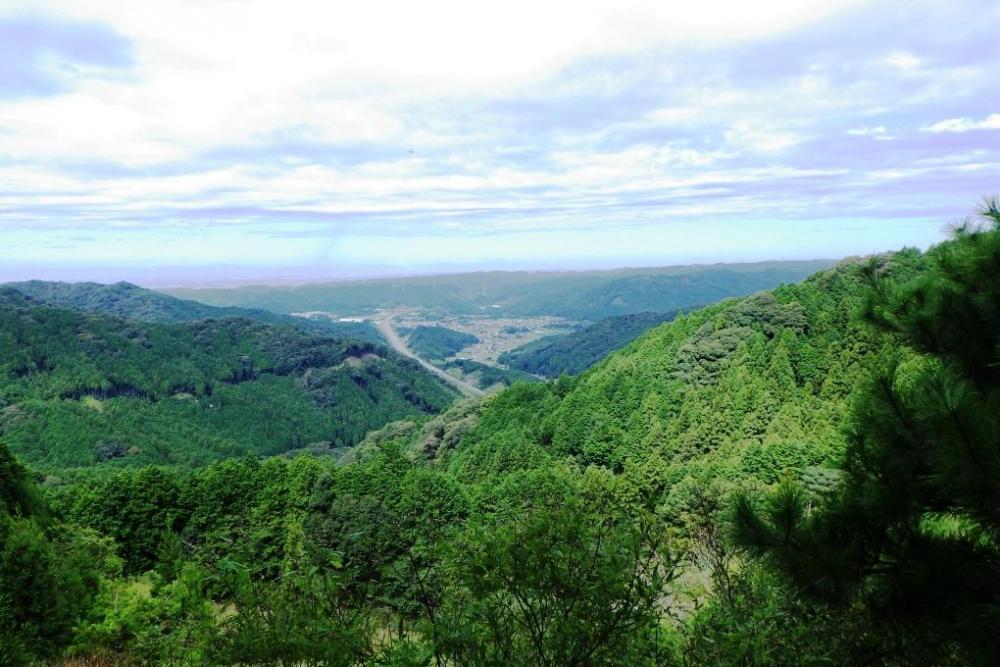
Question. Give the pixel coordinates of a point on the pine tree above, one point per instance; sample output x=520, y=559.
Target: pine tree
x=914, y=532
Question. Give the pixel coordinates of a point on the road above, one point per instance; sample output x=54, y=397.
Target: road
x=384, y=324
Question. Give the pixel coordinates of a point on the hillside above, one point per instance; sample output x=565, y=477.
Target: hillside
x=742, y=389
x=437, y=343
x=78, y=388
x=574, y=352
x=583, y=295
x=486, y=376
x=742, y=484
x=128, y=300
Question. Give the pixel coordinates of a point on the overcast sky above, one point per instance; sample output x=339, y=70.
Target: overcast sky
x=195, y=141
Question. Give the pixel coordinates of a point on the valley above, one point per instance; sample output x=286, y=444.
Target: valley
x=294, y=474
x=385, y=322
x=499, y=334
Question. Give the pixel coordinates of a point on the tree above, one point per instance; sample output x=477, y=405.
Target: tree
x=49, y=572
x=914, y=533
x=562, y=584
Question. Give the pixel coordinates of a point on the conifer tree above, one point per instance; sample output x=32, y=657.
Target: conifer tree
x=914, y=533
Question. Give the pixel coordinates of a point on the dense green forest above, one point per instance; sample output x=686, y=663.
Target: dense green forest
x=128, y=300
x=78, y=388
x=436, y=343
x=485, y=376
x=577, y=295
x=804, y=476
x=574, y=352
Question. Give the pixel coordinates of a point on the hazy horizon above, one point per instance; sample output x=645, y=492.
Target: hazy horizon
x=217, y=277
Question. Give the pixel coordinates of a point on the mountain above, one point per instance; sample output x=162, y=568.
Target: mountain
x=745, y=389
x=437, y=343
x=575, y=352
x=78, y=388
x=761, y=481
x=582, y=295
x=767, y=375
x=128, y=300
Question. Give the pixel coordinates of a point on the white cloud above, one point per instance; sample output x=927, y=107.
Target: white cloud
x=903, y=60
x=991, y=122
x=878, y=133
x=866, y=131
x=475, y=118
x=760, y=138
x=232, y=72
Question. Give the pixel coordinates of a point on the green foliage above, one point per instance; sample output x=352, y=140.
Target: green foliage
x=912, y=535
x=437, y=343
x=575, y=352
x=750, y=387
x=153, y=622
x=558, y=584
x=753, y=620
x=76, y=389
x=304, y=619
x=49, y=573
x=131, y=301
x=577, y=521
x=18, y=496
x=485, y=376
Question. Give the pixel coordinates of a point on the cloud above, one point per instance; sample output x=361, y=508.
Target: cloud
x=991, y=122
x=878, y=130
x=298, y=124
x=903, y=60
x=41, y=55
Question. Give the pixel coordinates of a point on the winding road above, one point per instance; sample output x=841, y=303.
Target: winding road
x=384, y=324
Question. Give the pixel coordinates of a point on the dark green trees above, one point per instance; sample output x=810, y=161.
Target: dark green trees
x=49, y=572
x=913, y=534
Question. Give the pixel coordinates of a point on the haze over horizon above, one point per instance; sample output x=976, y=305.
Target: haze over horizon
x=170, y=143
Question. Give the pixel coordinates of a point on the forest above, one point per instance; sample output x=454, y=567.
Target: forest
x=127, y=300
x=802, y=476
x=79, y=389
x=574, y=352
x=437, y=343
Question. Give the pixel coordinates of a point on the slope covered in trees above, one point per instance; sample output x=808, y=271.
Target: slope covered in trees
x=574, y=352
x=911, y=535
x=77, y=388
x=746, y=388
x=588, y=520
x=437, y=343
x=134, y=302
x=49, y=575
x=485, y=376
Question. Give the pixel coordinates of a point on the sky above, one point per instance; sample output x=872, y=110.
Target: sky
x=203, y=142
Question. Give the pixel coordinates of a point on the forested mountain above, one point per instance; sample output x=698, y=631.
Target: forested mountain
x=437, y=343
x=747, y=389
x=128, y=300
x=803, y=476
x=574, y=352
x=658, y=292
x=578, y=295
x=78, y=388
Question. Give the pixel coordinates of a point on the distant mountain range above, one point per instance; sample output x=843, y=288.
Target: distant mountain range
x=128, y=300
x=584, y=295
